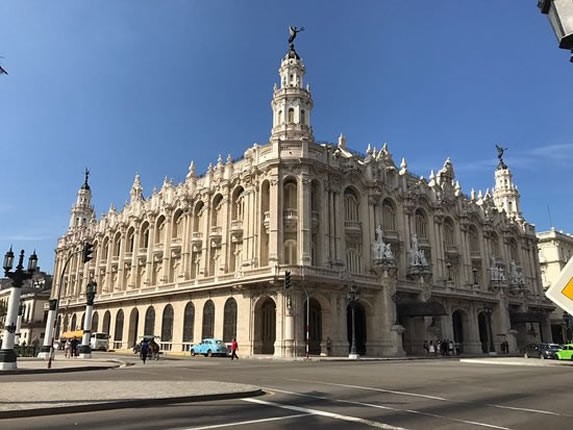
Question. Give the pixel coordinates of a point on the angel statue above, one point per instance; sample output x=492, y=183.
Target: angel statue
x=293, y=31
x=500, y=151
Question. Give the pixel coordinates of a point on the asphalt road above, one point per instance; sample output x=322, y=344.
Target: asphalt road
x=413, y=395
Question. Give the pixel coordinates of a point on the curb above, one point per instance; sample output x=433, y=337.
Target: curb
x=23, y=371
x=123, y=404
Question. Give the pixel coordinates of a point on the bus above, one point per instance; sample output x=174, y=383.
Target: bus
x=99, y=341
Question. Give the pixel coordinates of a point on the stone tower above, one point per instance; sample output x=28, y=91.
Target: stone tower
x=82, y=211
x=505, y=193
x=292, y=102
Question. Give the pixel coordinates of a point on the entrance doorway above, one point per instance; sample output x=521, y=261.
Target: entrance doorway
x=265, y=327
x=360, y=327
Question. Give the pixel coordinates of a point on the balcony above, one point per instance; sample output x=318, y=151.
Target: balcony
x=216, y=235
x=197, y=241
x=353, y=228
x=290, y=220
x=237, y=230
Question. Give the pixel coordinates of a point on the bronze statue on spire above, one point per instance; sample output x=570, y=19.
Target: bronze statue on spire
x=500, y=151
x=293, y=32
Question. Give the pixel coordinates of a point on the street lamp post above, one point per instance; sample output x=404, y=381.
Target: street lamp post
x=560, y=15
x=490, y=348
x=85, y=349
x=18, y=334
x=353, y=296
x=18, y=276
x=568, y=326
x=45, y=349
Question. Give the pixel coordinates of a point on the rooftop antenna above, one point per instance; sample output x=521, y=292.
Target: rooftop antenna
x=550, y=220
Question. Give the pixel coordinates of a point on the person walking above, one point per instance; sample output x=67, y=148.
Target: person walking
x=67, y=348
x=234, y=347
x=74, y=347
x=432, y=348
x=426, y=347
x=144, y=350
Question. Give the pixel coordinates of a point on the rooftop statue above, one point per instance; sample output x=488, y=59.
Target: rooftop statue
x=500, y=151
x=293, y=32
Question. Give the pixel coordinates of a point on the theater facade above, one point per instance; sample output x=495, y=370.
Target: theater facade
x=376, y=254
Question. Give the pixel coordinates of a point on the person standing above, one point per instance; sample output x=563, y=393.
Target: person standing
x=144, y=350
x=432, y=348
x=74, y=347
x=426, y=347
x=234, y=347
x=67, y=348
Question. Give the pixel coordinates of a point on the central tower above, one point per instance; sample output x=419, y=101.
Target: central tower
x=292, y=102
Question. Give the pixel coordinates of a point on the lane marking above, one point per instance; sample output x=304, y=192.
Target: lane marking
x=327, y=414
x=411, y=411
x=241, y=423
x=442, y=399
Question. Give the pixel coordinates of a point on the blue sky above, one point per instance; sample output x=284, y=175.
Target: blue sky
x=147, y=86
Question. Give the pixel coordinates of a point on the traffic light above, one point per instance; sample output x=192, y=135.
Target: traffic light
x=288, y=283
x=88, y=251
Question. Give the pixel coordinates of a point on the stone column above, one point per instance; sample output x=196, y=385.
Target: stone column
x=304, y=220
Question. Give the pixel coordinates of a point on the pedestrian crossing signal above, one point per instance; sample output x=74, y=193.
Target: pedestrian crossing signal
x=288, y=282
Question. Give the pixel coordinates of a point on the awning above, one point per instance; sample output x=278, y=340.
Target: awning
x=421, y=309
x=527, y=317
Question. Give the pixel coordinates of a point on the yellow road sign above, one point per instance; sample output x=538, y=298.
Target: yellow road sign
x=561, y=291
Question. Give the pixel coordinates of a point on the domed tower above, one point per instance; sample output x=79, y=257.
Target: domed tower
x=292, y=102
x=82, y=211
x=505, y=193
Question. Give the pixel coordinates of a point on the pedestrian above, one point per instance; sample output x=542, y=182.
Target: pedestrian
x=234, y=347
x=451, y=348
x=74, y=347
x=328, y=346
x=144, y=350
x=432, y=348
x=67, y=349
x=426, y=347
x=438, y=347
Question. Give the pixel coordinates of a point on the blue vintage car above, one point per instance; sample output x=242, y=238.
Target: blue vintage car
x=210, y=347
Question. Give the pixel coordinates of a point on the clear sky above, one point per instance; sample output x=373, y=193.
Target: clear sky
x=132, y=86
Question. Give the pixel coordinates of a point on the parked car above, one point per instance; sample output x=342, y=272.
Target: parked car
x=541, y=350
x=565, y=353
x=210, y=347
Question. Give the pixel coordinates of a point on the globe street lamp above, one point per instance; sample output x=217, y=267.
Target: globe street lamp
x=353, y=296
x=85, y=349
x=560, y=15
x=18, y=276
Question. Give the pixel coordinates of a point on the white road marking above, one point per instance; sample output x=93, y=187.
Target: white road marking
x=242, y=423
x=441, y=399
x=327, y=414
x=411, y=411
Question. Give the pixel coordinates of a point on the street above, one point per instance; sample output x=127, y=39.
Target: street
x=414, y=395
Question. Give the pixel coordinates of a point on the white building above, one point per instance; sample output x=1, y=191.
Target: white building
x=555, y=250
x=207, y=257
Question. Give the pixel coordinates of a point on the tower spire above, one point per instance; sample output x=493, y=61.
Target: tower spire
x=82, y=211
x=505, y=193
x=292, y=102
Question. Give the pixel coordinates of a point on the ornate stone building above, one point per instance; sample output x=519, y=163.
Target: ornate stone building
x=555, y=250
x=207, y=257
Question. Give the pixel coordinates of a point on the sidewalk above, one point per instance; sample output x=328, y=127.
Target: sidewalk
x=36, y=398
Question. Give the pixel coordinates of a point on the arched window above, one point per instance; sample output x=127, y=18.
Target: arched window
x=280, y=119
x=388, y=216
x=353, y=258
x=238, y=204
x=421, y=230
x=160, y=230
x=230, y=320
x=290, y=195
x=290, y=251
x=167, y=324
x=351, y=206
x=116, y=245
x=95, y=321
x=130, y=239
x=291, y=116
x=73, y=322
x=208, y=329
x=449, y=232
x=144, y=240
x=188, y=322
x=177, y=225
x=494, y=241
x=513, y=252
x=149, y=328
x=474, y=240
x=302, y=118
x=118, y=334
